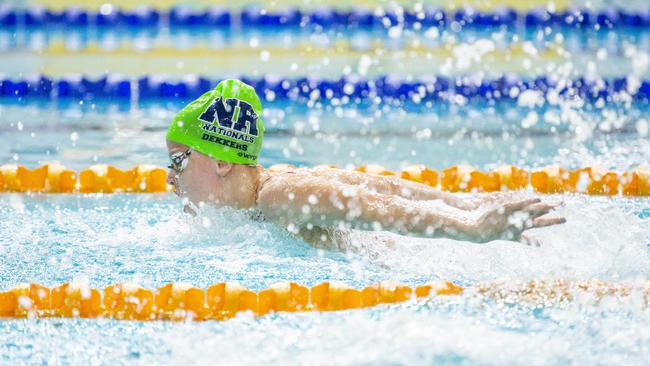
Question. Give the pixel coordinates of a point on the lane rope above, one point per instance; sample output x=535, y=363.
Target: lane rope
x=345, y=89
x=221, y=301
x=103, y=178
x=325, y=17
x=181, y=301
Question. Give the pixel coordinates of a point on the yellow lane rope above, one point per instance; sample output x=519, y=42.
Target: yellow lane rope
x=550, y=179
x=181, y=301
x=339, y=48
x=377, y=59
x=102, y=178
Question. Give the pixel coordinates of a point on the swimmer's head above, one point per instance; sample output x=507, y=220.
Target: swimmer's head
x=224, y=123
x=214, y=145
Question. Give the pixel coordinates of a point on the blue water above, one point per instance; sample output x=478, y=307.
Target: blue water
x=450, y=332
x=103, y=239
x=79, y=38
x=100, y=240
x=438, y=136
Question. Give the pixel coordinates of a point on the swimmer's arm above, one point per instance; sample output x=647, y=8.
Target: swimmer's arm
x=402, y=216
x=422, y=192
x=321, y=203
x=407, y=189
x=326, y=203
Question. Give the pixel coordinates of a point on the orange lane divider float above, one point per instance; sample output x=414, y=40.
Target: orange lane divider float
x=551, y=179
x=180, y=301
x=102, y=178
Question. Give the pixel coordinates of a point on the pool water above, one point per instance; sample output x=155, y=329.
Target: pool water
x=482, y=135
x=104, y=239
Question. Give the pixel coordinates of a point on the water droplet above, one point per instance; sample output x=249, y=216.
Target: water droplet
x=642, y=127
x=312, y=199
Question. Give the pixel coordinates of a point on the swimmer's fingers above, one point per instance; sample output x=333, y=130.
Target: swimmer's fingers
x=539, y=209
x=521, y=204
x=554, y=204
x=500, y=198
x=548, y=221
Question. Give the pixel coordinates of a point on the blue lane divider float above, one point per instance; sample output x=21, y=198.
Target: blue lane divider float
x=272, y=88
x=324, y=17
x=75, y=86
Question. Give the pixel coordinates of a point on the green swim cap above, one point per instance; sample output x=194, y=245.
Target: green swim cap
x=224, y=123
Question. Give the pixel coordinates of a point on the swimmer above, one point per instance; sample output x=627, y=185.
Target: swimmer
x=214, y=144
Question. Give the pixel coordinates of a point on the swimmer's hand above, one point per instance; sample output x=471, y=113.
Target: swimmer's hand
x=303, y=200
x=510, y=220
x=494, y=199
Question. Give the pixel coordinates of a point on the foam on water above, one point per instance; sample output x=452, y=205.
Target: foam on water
x=107, y=239
x=599, y=240
x=147, y=239
x=461, y=330
x=119, y=238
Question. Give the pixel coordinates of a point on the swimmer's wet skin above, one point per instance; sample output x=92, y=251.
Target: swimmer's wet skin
x=214, y=144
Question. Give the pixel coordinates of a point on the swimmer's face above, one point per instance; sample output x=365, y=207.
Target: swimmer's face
x=197, y=182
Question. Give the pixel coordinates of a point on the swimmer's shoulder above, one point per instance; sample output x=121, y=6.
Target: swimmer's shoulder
x=301, y=179
x=272, y=182
x=274, y=185
x=291, y=184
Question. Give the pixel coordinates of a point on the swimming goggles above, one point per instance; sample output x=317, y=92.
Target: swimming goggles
x=178, y=160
